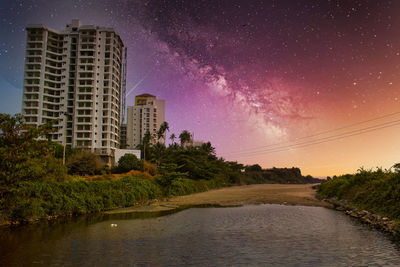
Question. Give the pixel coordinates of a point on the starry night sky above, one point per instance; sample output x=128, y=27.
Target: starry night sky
x=246, y=74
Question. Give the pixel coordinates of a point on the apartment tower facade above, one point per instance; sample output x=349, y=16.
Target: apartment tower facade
x=146, y=115
x=75, y=76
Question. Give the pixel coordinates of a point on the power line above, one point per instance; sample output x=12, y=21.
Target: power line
x=313, y=135
x=323, y=140
x=332, y=136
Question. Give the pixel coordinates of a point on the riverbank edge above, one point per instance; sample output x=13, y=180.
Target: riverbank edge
x=141, y=208
x=162, y=207
x=167, y=204
x=208, y=200
x=374, y=220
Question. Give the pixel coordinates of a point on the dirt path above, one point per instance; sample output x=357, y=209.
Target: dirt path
x=237, y=196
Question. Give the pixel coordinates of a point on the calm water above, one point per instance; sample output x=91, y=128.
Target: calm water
x=261, y=235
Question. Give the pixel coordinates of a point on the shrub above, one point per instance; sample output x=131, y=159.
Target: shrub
x=253, y=168
x=84, y=163
x=128, y=162
x=181, y=186
x=377, y=191
x=149, y=168
x=167, y=178
x=34, y=200
x=55, y=171
x=234, y=177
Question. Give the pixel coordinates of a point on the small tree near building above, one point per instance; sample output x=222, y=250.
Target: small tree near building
x=127, y=163
x=84, y=163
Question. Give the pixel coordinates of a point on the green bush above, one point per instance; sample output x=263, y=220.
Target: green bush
x=377, y=191
x=34, y=200
x=84, y=163
x=181, y=187
x=128, y=162
x=253, y=168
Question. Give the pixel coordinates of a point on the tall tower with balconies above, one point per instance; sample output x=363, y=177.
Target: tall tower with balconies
x=75, y=76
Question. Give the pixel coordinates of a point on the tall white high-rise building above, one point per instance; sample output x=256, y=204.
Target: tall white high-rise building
x=75, y=76
x=146, y=116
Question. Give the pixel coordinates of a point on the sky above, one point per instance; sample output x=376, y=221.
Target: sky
x=310, y=84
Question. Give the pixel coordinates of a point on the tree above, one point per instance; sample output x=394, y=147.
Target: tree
x=235, y=166
x=23, y=157
x=84, y=163
x=185, y=137
x=146, y=138
x=253, y=168
x=207, y=147
x=58, y=150
x=157, y=153
x=161, y=132
x=172, y=138
x=145, y=146
x=396, y=167
x=128, y=162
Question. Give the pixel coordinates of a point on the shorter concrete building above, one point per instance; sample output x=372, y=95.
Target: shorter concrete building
x=192, y=143
x=196, y=144
x=121, y=152
x=146, y=116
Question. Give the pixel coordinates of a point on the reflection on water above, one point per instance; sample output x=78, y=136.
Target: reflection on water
x=244, y=236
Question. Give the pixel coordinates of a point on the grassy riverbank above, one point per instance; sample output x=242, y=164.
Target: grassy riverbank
x=288, y=194
x=376, y=191
x=31, y=201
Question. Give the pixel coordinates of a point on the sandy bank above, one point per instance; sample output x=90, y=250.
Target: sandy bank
x=237, y=196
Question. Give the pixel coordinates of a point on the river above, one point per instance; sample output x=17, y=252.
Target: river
x=253, y=235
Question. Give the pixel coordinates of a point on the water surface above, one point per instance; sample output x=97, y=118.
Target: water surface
x=259, y=235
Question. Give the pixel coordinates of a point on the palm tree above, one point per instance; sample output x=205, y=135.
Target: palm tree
x=157, y=153
x=161, y=132
x=208, y=148
x=185, y=137
x=172, y=137
x=146, y=138
x=396, y=167
x=145, y=145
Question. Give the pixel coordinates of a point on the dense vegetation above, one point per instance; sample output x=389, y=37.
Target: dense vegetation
x=255, y=174
x=22, y=157
x=29, y=201
x=35, y=184
x=376, y=191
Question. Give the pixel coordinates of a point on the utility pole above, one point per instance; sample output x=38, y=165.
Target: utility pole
x=144, y=151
